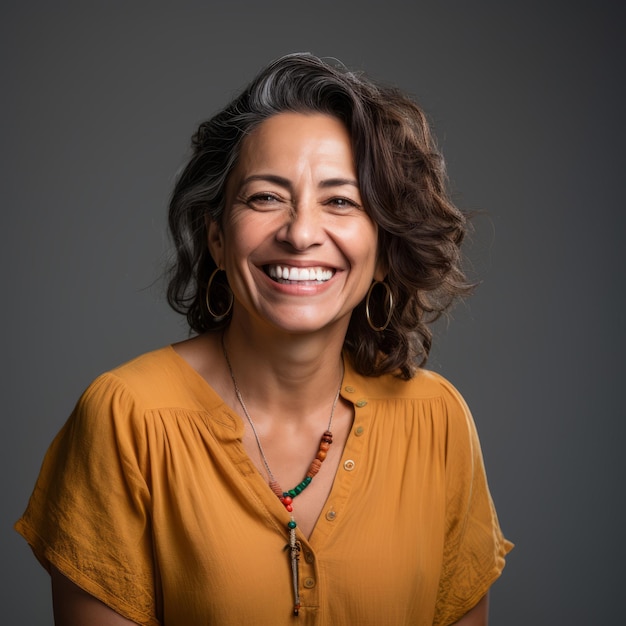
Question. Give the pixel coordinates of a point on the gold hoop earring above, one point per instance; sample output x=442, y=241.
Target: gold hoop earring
x=388, y=305
x=218, y=317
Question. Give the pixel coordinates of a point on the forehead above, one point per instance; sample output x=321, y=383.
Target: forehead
x=288, y=136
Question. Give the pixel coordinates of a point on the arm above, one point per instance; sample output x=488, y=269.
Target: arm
x=75, y=607
x=478, y=616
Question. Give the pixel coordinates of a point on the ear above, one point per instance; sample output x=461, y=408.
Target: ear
x=380, y=271
x=215, y=240
x=379, y=274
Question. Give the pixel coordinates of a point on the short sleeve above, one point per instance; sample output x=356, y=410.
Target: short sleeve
x=89, y=514
x=474, y=547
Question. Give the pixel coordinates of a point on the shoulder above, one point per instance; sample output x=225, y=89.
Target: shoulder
x=428, y=401
x=133, y=394
x=426, y=386
x=154, y=380
x=149, y=372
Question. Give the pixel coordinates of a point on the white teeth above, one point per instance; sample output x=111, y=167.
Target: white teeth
x=318, y=274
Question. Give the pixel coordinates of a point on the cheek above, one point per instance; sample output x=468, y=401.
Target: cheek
x=366, y=244
x=251, y=232
x=242, y=240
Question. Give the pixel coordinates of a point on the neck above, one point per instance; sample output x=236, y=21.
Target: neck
x=285, y=373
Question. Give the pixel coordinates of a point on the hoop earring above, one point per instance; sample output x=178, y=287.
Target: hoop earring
x=218, y=317
x=388, y=304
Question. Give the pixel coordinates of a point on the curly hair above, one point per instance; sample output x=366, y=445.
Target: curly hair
x=402, y=180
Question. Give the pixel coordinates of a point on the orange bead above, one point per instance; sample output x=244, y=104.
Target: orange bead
x=321, y=455
x=275, y=487
x=324, y=446
x=314, y=467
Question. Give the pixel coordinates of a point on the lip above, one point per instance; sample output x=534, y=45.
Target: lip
x=307, y=274
x=299, y=263
x=302, y=285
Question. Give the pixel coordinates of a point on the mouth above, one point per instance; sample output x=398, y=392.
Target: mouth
x=285, y=274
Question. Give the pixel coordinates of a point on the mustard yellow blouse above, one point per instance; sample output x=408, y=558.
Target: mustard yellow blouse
x=148, y=501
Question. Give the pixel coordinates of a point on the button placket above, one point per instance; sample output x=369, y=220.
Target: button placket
x=348, y=464
x=309, y=576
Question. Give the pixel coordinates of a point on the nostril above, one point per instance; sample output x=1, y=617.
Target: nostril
x=302, y=230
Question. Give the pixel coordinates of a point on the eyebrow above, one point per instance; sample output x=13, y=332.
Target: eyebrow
x=338, y=182
x=286, y=183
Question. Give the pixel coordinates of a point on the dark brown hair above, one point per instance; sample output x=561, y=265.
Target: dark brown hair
x=402, y=181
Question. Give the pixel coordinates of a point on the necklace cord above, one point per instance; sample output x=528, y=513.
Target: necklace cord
x=249, y=418
x=286, y=497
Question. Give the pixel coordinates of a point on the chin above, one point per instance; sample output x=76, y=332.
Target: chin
x=303, y=324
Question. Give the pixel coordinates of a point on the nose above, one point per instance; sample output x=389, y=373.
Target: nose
x=303, y=227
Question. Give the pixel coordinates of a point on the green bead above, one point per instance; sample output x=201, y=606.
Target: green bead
x=291, y=524
x=298, y=489
x=292, y=493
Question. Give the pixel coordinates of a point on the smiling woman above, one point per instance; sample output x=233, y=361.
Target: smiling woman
x=401, y=181
x=293, y=208
x=292, y=462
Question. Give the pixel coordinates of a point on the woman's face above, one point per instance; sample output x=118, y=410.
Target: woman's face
x=298, y=247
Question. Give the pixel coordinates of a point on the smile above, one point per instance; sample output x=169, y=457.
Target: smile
x=283, y=273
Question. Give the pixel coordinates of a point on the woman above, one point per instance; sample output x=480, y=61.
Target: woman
x=292, y=462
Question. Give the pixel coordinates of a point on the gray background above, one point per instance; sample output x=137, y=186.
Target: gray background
x=99, y=101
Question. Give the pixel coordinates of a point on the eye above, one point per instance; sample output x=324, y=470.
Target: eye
x=341, y=202
x=263, y=200
x=262, y=197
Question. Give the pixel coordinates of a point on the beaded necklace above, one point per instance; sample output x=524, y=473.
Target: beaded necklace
x=286, y=497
